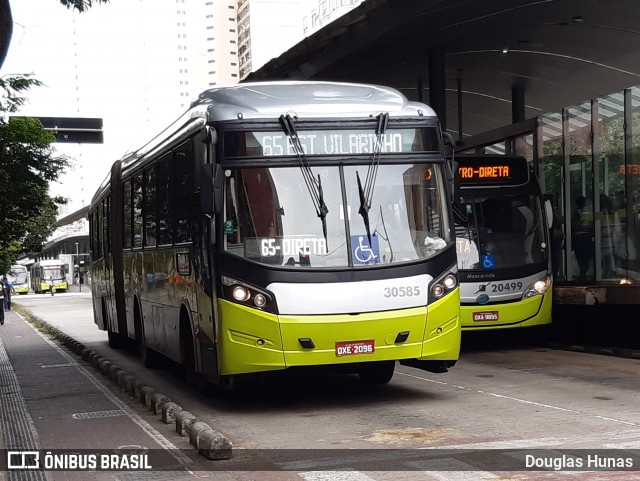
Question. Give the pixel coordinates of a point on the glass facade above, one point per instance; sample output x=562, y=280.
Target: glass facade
x=578, y=178
x=551, y=164
x=588, y=158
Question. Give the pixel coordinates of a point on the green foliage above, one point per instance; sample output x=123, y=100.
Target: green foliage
x=28, y=163
x=13, y=87
x=8, y=254
x=81, y=5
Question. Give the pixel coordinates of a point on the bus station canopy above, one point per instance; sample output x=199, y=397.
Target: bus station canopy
x=558, y=52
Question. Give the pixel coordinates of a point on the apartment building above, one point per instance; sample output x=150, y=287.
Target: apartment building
x=322, y=12
x=267, y=28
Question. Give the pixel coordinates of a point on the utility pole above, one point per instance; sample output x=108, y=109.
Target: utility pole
x=77, y=265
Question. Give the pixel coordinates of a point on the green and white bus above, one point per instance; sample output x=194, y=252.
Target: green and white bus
x=19, y=277
x=49, y=273
x=502, y=242
x=282, y=225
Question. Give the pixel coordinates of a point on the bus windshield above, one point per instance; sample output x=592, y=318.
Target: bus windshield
x=20, y=278
x=498, y=230
x=270, y=216
x=52, y=272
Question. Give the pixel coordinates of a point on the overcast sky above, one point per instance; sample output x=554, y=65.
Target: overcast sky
x=44, y=43
x=90, y=68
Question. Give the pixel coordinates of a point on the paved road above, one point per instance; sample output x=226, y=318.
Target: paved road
x=518, y=398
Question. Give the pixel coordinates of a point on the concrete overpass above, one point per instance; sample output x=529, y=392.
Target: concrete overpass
x=481, y=64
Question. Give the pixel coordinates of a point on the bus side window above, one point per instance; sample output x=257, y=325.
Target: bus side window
x=127, y=218
x=231, y=228
x=164, y=181
x=150, y=208
x=137, y=210
x=183, y=200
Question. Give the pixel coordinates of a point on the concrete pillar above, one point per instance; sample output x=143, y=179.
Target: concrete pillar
x=437, y=94
x=517, y=105
x=460, y=135
x=517, y=115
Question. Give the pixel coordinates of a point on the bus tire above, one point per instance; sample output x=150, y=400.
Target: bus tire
x=377, y=373
x=148, y=356
x=116, y=341
x=187, y=351
x=226, y=384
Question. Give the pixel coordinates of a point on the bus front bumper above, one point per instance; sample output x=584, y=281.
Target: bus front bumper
x=257, y=341
x=534, y=311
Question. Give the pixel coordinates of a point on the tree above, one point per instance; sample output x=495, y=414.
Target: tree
x=81, y=5
x=28, y=163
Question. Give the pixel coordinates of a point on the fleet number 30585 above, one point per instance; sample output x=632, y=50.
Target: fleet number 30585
x=402, y=291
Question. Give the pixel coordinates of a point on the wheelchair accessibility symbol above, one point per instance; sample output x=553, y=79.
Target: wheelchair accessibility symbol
x=488, y=262
x=362, y=252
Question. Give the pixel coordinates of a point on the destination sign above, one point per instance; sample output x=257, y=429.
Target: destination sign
x=330, y=142
x=630, y=169
x=485, y=170
x=482, y=172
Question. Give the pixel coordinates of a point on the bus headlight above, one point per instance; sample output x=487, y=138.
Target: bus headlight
x=247, y=295
x=444, y=284
x=538, y=288
x=260, y=301
x=241, y=293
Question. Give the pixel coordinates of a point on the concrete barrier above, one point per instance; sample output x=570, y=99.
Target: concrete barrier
x=210, y=443
x=184, y=420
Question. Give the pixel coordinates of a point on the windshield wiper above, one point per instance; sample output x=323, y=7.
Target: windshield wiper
x=322, y=210
x=366, y=193
x=364, y=207
x=313, y=186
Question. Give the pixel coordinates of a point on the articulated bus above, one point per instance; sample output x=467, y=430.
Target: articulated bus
x=282, y=225
x=19, y=277
x=502, y=242
x=48, y=273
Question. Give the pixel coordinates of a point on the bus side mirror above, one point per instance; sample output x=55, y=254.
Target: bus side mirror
x=452, y=168
x=548, y=209
x=211, y=182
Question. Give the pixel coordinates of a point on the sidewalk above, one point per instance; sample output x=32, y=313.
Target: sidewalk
x=53, y=400
x=50, y=400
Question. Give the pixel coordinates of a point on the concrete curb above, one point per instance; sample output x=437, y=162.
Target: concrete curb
x=209, y=443
x=184, y=420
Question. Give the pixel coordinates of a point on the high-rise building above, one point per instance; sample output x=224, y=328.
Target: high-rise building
x=323, y=12
x=137, y=65
x=266, y=28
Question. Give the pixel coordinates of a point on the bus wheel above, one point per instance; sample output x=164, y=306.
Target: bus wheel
x=187, y=353
x=116, y=341
x=149, y=356
x=225, y=384
x=377, y=373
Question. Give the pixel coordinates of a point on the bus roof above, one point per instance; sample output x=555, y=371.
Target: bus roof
x=268, y=100
x=49, y=263
x=307, y=99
